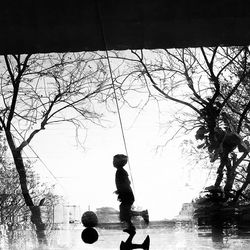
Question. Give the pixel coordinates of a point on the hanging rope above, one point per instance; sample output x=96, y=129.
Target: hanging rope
x=113, y=86
x=120, y=120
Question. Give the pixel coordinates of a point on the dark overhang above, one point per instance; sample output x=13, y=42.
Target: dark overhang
x=32, y=26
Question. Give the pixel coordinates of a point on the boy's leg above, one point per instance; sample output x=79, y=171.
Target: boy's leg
x=144, y=245
x=125, y=215
x=128, y=242
x=131, y=233
x=125, y=246
x=129, y=245
x=136, y=246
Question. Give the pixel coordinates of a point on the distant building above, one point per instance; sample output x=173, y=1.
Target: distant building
x=61, y=214
x=74, y=213
x=107, y=215
x=65, y=214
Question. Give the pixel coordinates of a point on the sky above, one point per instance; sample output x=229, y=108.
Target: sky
x=85, y=176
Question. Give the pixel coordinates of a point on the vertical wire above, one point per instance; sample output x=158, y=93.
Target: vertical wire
x=120, y=119
x=113, y=85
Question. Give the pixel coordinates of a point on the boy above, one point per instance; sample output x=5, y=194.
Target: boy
x=125, y=193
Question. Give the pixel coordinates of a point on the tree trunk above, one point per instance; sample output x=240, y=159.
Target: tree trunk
x=36, y=219
x=229, y=180
x=35, y=210
x=223, y=162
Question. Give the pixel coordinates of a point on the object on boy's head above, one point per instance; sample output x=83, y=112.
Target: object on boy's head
x=89, y=219
x=89, y=235
x=120, y=160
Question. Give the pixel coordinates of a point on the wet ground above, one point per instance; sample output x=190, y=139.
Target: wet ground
x=161, y=239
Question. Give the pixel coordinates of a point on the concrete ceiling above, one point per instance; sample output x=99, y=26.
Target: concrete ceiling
x=32, y=26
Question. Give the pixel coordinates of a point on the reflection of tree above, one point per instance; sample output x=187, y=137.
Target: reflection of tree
x=42, y=90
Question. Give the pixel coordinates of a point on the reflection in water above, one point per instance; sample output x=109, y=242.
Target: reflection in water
x=161, y=239
x=227, y=238
x=217, y=237
x=218, y=240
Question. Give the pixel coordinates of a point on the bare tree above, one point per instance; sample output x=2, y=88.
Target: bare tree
x=42, y=90
x=211, y=88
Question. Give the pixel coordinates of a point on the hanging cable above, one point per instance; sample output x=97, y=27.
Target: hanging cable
x=113, y=86
x=43, y=163
x=120, y=119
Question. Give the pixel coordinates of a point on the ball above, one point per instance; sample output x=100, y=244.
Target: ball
x=89, y=219
x=89, y=235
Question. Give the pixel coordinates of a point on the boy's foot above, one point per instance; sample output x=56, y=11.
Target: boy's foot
x=145, y=216
x=123, y=246
x=146, y=243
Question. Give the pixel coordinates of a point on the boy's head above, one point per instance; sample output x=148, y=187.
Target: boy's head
x=120, y=160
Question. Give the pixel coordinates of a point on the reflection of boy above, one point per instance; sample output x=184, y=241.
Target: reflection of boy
x=125, y=193
x=128, y=245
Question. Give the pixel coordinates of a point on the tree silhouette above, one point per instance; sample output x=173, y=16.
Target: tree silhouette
x=13, y=212
x=46, y=89
x=210, y=87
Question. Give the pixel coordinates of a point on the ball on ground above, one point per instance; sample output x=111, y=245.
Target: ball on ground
x=89, y=219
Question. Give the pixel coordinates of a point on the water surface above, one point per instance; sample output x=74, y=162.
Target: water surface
x=161, y=239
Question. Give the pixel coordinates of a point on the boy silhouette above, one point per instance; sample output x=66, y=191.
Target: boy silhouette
x=125, y=193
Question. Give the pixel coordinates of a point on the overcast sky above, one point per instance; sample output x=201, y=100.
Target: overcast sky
x=86, y=177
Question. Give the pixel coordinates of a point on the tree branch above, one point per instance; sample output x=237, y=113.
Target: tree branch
x=231, y=61
x=242, y=117
x=15, y=83
x=160, y=90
